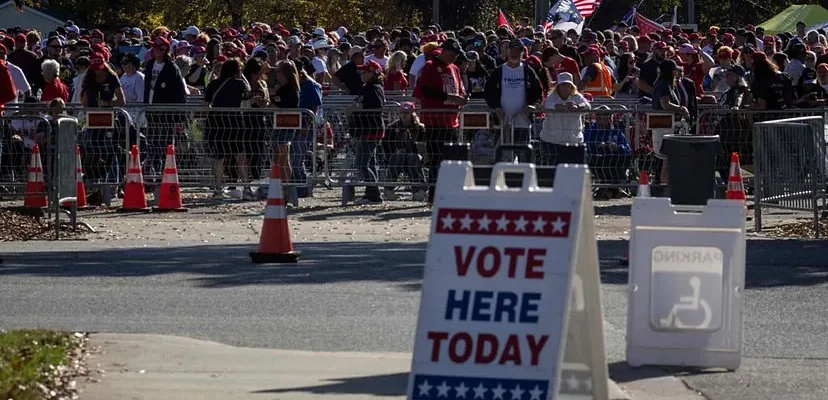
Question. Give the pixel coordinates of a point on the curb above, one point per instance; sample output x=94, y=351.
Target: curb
x=644, y=383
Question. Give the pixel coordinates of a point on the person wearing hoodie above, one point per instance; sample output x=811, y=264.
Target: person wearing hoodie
x=368, y=128
x=608, y=151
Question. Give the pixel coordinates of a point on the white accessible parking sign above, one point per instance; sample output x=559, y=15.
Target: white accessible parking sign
x=687, y=273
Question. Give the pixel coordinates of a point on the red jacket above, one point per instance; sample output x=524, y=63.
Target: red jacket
x=8, y=91
x=436, y=81
x=54, y=90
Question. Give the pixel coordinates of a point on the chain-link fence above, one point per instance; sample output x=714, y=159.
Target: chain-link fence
x=790, y=165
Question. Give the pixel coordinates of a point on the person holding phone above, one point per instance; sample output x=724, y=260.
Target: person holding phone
x=627, y=74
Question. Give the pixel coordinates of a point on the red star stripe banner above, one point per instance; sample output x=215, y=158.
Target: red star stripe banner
x=501, y=21
x=646, y=26
x=503, y=222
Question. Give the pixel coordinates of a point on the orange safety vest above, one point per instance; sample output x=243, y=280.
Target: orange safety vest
x=602, y=84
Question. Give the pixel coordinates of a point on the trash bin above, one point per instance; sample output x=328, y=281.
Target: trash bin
x=691, y=168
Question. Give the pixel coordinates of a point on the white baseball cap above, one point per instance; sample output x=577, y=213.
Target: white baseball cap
x=318, y=32
x=565, y=77
x=321, y=44
x=191, y=30
x=354, y=50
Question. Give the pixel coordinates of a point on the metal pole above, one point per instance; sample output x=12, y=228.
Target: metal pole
x=691, y=11
x=541, y=9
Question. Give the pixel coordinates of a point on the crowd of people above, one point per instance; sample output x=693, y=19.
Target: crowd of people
x=538, y=81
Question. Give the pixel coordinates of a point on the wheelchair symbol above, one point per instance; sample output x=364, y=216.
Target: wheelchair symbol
x=689, y=303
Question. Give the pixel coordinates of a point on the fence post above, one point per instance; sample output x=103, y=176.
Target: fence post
x=65, y=171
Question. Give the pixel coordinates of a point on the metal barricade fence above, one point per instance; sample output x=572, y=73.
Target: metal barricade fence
x=357, y=154
x=225, y=147
x=20, y=131
x=599, y=138
x=104, y=137
x=736, y=132
x=790, y=161
x=614, y=142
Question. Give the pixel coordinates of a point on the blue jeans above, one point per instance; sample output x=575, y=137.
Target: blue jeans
x=298, y=157
x=520, y=136
x=366, y=161
x=406, y=163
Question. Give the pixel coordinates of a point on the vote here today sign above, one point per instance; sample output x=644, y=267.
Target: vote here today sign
x=494, y=302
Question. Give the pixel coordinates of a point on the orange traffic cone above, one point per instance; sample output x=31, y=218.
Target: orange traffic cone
x=735, y=187
x=134, y=199
x=80, y=191
x=275, y=245
x=643, y=184
x=169, y=196
x=36, y=186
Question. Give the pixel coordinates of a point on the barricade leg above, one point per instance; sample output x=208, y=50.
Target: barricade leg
x=347, y=193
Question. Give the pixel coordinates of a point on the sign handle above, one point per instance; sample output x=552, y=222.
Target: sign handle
x=498, y=181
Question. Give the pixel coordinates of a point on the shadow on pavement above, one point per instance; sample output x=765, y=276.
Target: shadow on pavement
x=229, y=265
x=770, y=263
x=621, y=372
x=376, y=213
x=377, y=385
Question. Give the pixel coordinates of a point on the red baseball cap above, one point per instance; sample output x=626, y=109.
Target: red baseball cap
x=728, y=38
x=768, y=40
x=160, y=42
x=694, y=36
x=8, y=42
x=199, y=50
x=371, y=66
x=97, y=32
x=220, y=58
x=97, y=62
x=660, y=46
x=20, y=38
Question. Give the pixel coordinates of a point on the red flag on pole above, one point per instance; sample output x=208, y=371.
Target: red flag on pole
x=501, y=21
x=647, y=26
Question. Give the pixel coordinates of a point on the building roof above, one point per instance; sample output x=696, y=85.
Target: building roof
x=37, y=11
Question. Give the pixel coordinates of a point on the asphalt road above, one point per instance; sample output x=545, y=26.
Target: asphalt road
x=360, y=296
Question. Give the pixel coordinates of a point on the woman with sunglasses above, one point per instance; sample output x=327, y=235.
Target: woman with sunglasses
x=627, y=77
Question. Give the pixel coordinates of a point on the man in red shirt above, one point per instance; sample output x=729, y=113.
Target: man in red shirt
x=558, y=63
x=8, y=91
x=439, y=88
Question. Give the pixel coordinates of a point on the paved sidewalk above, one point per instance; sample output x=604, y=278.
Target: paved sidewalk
x=137, y=367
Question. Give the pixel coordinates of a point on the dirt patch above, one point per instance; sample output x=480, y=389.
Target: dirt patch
x=798, y=230
x=21, y=224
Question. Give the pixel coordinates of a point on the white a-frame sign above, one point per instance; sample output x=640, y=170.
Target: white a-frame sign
x=511, y=303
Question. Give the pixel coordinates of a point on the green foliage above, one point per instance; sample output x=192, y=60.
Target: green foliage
x=26, y=357
x=359, y=15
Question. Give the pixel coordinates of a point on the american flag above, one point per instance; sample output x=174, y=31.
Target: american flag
x=563, y=11
x=646, y=25
x=587, y=7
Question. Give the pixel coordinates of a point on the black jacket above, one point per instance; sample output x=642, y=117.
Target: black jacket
x=692, y=103
x=534, y=90
x=169, y=86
